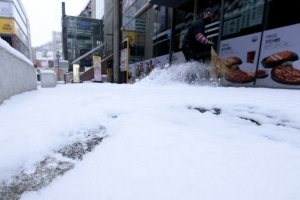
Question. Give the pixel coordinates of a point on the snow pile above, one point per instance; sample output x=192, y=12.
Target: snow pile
x=193, y=73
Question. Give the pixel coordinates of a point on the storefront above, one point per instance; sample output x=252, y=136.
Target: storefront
x=258, y=36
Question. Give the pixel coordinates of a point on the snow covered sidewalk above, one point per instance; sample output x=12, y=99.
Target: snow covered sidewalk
x=168, y=140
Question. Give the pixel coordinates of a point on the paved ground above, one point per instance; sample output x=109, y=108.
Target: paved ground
x=49, y=168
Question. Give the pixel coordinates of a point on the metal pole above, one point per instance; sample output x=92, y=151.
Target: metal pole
x=195, y=10
x=116, y=61
x=220, y=25
x=172, y=35
x=58, y=69
x=57, y=56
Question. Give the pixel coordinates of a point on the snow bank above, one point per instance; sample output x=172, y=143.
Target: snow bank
x=14, y=52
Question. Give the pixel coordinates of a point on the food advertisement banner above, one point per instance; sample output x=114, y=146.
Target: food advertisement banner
x=279, y=58
x=144, y=68
x=97, y=68
x=241, y=57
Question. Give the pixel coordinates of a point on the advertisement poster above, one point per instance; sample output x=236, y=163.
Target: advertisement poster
x=241, y=57
x=34, y=57
x=279, y=58
x=56, y=62
x=97, y=68
x=144, y=68
x=162, y=61
x=76, y=74
x=124, y=60
x=131, y=73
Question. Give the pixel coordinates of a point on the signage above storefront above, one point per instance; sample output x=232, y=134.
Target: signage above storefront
x=84, y=24
x=6, y=25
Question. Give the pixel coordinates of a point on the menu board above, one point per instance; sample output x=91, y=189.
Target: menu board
x=241, y=57
x=279, y=58
x=241, y=14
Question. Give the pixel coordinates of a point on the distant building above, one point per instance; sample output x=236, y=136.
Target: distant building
x=81, y=34
x=57, y=44
x=87, y=10
x=97, y=9
x=14, y=26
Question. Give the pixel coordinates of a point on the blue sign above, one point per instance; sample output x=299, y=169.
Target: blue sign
x=84, y=24
x=169, y=33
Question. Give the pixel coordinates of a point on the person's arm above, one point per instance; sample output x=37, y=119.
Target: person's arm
x=199, y=28
x=201, y=38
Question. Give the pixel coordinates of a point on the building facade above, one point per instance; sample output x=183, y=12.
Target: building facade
x=262, y=35
x=57, y=44
x=14, y=26
x=81, y=35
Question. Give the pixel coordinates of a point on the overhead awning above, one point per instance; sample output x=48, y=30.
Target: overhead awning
x=167, y=3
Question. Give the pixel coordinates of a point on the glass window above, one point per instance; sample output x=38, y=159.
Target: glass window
x=162, y=18
x=20, y=11
x=281, y=13
x=20, y=34
x=128, y=18
x=169, y=19
x=82, y=36
x=21, y=47
x=19, y=20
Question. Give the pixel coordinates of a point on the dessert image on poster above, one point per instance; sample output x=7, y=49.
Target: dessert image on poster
x=241, y=60
x=280, y=57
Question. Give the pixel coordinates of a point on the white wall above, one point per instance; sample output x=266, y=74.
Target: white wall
x=17, y=73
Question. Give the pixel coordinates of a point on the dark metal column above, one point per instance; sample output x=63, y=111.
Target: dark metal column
x=195, y=10
x=220, y=25
x=172, y=35
x=64, y=33
x=116, y=63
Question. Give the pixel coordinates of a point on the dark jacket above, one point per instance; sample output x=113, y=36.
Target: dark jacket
x=197, y=27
